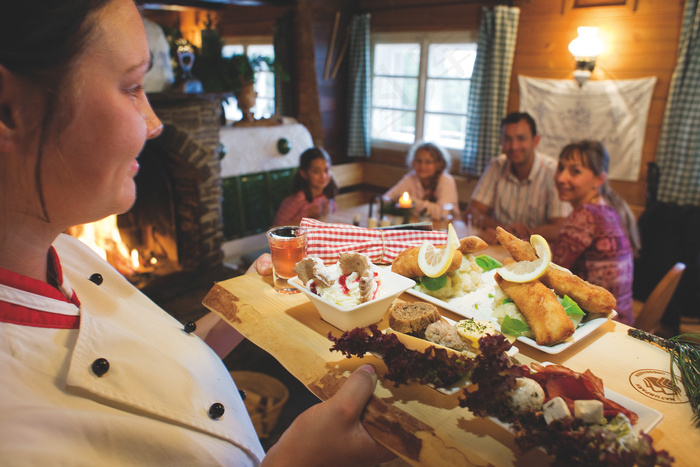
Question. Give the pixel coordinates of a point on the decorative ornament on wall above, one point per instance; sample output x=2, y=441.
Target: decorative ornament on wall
x=284, y=146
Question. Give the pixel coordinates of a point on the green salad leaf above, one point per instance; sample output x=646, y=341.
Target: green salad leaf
x=434, y=283
x=487, y=263
x=513, y=327
x=571, y=307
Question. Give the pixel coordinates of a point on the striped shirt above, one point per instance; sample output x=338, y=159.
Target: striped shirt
x=533, y=201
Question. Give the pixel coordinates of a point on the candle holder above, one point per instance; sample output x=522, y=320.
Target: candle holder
x=404, y=212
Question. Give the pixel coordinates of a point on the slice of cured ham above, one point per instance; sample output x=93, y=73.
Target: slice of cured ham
x=559, y=381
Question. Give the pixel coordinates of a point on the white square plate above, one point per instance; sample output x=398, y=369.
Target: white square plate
x=648, y=417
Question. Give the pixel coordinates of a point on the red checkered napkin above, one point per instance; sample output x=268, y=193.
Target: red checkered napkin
x=327, y=241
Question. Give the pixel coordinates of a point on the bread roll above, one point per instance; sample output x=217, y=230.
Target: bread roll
x=412, y=318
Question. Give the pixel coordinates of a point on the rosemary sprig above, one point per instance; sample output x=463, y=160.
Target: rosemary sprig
x=685, y=353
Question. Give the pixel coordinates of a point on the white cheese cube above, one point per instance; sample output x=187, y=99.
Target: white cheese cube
x=589, y=411
x=472, y=330
x=554, y=409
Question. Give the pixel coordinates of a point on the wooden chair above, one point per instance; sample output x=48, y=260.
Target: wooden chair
x=650, y=312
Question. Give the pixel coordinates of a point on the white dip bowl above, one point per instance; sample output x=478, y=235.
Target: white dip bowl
x=364, y=314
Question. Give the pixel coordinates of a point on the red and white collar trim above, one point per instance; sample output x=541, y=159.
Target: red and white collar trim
x=31, y=302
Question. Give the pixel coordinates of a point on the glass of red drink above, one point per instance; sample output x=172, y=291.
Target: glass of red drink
x=287, y=248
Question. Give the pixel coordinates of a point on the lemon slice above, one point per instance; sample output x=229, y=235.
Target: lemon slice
x=526, y=271
x=541, y=247
x=435, y=262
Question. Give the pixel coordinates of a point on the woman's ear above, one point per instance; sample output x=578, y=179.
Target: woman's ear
x=600, y=179
x=304, y=174
x=7, y=119
x=7, y=101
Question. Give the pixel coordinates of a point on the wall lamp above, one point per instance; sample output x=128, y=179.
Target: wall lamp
x=585, y=49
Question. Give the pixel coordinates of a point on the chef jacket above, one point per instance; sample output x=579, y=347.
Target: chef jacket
x=128, y=386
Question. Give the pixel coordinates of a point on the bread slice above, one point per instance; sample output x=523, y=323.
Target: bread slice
x=412, y=318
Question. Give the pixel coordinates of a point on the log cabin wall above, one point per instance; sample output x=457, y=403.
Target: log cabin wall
x=332, y=89
x=641, y=40
x=319, y=99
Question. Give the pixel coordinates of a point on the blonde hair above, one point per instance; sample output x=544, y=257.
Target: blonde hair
x=440, y=156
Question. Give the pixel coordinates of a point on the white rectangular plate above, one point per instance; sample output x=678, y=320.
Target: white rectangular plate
x=581, y=332
x=408, y=340
x=648, y=418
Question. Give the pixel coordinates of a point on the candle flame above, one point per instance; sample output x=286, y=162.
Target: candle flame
x=405, y=200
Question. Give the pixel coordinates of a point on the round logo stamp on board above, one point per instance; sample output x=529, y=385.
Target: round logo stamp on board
x=657, y=385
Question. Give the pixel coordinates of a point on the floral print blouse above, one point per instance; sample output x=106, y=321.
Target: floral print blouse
x=593, y=244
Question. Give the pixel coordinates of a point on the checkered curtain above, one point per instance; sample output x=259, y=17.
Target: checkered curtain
x=678, y=154
x=488, y=93
x=359, y=87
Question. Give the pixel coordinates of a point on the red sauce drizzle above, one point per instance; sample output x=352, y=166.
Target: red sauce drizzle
x=376, y=290
x=342, y=280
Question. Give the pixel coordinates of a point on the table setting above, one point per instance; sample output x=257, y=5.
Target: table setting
x=420, y=424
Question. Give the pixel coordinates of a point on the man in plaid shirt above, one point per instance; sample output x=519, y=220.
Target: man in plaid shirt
x=516, y=191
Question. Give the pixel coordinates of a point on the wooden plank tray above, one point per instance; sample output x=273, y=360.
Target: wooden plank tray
x=419, y=424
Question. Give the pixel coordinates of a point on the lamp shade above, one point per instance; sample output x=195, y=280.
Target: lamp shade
x=587, y=44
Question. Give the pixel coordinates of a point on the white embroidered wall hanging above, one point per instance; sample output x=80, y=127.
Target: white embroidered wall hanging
x=614, y=112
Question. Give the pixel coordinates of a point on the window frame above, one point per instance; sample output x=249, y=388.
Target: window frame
x=424, y=39
x=247, y=41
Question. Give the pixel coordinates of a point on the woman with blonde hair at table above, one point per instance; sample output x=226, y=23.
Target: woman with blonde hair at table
x=429, y=182
x=93, y=372
x=599, y=238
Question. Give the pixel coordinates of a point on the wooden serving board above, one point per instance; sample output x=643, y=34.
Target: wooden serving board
x=421, y=425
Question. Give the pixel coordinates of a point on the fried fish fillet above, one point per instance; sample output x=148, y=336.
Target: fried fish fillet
x=540, y=306
x=590, y=297
x=471, y=245
x=406, y=262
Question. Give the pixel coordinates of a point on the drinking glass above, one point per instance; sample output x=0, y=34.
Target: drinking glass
x=287, y=248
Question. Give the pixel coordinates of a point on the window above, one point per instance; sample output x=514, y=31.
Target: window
x=264, y=79
x=420, y=87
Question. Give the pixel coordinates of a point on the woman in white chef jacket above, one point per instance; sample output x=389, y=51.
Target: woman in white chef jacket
x=91, y=371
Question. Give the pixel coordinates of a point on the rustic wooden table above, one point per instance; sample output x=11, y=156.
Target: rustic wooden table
x=426, y=427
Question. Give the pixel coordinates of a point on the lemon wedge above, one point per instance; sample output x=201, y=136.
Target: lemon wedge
x=541, y=247
x=526, y=271
x=435, y=262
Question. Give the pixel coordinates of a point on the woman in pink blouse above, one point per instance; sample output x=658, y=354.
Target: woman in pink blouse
x=599, y=238
x=429, y=182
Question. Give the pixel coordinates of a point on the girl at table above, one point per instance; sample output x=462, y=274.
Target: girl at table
x=93, y=372
x=429, y=183
x=599, y=238
x=313, y=190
